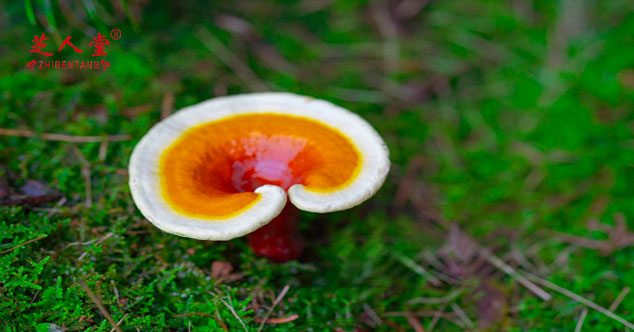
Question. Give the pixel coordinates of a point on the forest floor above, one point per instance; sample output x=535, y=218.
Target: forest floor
x=509, y=206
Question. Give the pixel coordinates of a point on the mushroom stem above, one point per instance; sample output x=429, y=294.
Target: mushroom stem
x=280, y=239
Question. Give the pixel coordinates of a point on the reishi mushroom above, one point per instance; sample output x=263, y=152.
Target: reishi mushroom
x=224, y=168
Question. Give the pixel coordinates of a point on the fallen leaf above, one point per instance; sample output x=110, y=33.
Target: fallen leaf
x=32, y=192
x=278, y=320
x=461, y=244
x=626, y=78
x=34, y=188
x=221, y=269
x=618, y=236
x=491, y=306
x=135, y=111
x=4, y=190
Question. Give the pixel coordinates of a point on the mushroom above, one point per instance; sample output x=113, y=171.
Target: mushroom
x=224, y=168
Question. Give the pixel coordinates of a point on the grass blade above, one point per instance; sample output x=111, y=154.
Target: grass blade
x=50, y=14
x=30, y=15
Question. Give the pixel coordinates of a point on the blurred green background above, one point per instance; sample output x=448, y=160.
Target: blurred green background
x=510, y=125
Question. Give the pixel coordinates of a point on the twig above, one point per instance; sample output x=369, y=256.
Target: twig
x=222, y=324
x=582, y=319
x=408, y=181
x=436, y=300
x=462, y=315
x=230, y=60
x=619, y=298
x=372, y=314
x=310, y=6
x=436, y=317
x=22, y=244
x=360, y=95
x=394, y=326
x=167, y=104
x=99, y=305
x=275, y=303
x=414, y=322
x=104, y=238
x=409, y=8
x=54, y=210
x=420, y=313
x=519, y=257
x=562, y=258
x=497, y=262
x=195, y=314
x=120, y=321
x=35, y=296
x=116, y=293
x=417, y=268
x=277, y=320
x=63, y=137
x=618, y=237
x=103, y=150
x=79, y=243
x=389, y=32
x=85, y=173
x=255, y=43
x=431, y=259
x=579, y=299
x=135, y=111
x=99, y=241
x=235, y=314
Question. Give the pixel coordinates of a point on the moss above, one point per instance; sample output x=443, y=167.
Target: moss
x=515, y=147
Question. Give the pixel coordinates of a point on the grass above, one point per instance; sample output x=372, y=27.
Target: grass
x=510, y=120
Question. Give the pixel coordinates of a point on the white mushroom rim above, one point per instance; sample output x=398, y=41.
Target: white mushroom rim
x=145, y=170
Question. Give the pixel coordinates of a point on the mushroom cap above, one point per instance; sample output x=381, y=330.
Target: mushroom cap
x=222, y=168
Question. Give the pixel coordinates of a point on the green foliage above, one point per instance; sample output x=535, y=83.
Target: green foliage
x=524, y=124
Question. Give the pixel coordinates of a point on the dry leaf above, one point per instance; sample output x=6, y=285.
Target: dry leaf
x=491, y=306
x=31, y=193
x=220, y=269
x=618, y=236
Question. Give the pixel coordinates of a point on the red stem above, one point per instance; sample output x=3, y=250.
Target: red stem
x=280, y=239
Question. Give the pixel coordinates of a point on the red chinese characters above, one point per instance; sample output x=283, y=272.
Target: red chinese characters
x=98, y=43
x=67, y=42
x=39, y=44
